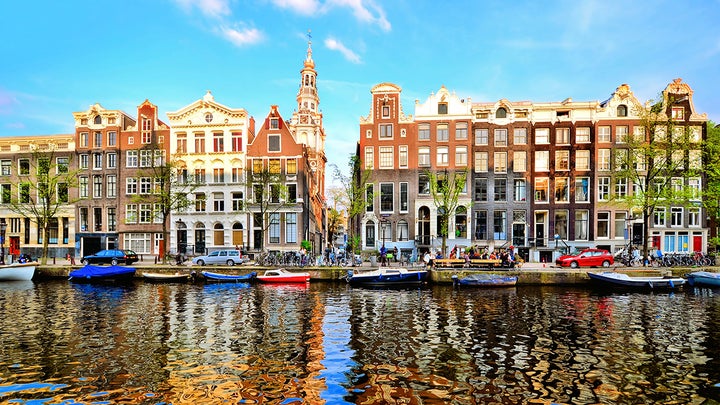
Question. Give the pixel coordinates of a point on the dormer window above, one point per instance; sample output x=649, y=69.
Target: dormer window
x=97, y=120
x=442, y=108
x=622, y=110
x=274, y=123
x=501, y=113
x=678, y=113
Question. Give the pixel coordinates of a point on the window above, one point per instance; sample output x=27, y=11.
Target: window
x=403, y=156
x=273, y=143
x=218, y=202
x=561, y=224
x=403, y=197
x=542, y=187
x=562, y=190
x=275, y=193
x=145, y=213
x=237, y=201
x=291, y=227
x=622, y=110
x=603, y=225
x=98, y=140
x=385, y=110
x=97, y=186
x=519, y=161
x=481, y=190
x=369, y=195
x=386, y=197
x=218, y=142
x=274, y=166
x=621, y=187
x=676, y=215
x=694, y=188
x=423, y=132
x=542, y=136
x=131, y=213
x=562, y=160
x=145, y=185
x=603, y=160
x=694, y=217
x=111, y=184
x=131, y=185
x=542, y=161
x=562, y=136
x=582, y=135
x=520, y=136
x=519, y=190
x=274, y=123
x=131, y=159
x=442, y=108
x=442, y=156
x=83, y=187
x=218, y=175
x=501, y=113
x=481, y=136
x=678, y=113
x=621, y=159
x=111, y=138
x=112, y=219
x=84, y=139
x=423, y=184
x=500, y=160
x=424, y=156
x=461, y=156
x=582, y=189
x=112, y=160
x=403, y=230
x=659, y=215
x=5, y=193
x=501, y=137
x=369, y=159
x=621, y=134
x=181, y=143
x=461, y=222
x=499, y=225
x=5, y=167
x=603, y=134
x=97, y=161
x=581, y=224
x=500, y=190
x=200, y=176
x=84, y=161
x=386, y=157
x=236, y=141
x=481, y=162
x=442, y=133
x=461, y=131
x=199, y=142
x=481, y=219
x=620, y=225
x=274, y=227
x=200, y=202
x=386, y=130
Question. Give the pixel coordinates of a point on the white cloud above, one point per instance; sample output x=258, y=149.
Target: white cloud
x=304, y=7
x=247, y=36
x=211, y=8
x=335, y=45
x=364, y=10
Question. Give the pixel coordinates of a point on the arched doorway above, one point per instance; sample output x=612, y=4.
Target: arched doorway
x=423, y=226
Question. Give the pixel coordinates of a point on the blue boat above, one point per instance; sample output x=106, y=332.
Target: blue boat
x=387, y=276
x=91, y=273
x=228, y=278
x=485, y=280
x=703, y=279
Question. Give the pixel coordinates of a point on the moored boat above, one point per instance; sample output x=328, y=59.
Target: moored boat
x=485, y=280
x=283, y=276
x=623, y=280
x=703, y=279
x=92, y=273
x=228, y=278
x=166, y=277
x=387, y=276
x=17, y=271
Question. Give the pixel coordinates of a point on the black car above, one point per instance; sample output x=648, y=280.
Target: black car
x=111, y=256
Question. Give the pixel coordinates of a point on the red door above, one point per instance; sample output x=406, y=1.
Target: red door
x=697, y=244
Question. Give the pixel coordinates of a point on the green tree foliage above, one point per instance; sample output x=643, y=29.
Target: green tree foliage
x=44, y=193
x=269, y=196
x=355, y=187
x=445, y=189
x=711, y=191
x=656, y=164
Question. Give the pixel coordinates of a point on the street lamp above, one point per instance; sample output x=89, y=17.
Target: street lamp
x=3, y=228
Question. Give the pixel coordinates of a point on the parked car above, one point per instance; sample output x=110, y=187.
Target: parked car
x=111, y=256
x=587, y=257
x=227, y=257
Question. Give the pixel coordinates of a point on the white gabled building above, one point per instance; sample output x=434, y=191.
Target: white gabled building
x=209, y=142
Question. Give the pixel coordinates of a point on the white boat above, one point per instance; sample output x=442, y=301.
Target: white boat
x=623, y=280
x=283, y=276
x=17, y=271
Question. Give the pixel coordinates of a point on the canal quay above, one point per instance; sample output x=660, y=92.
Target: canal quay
x=527, y=273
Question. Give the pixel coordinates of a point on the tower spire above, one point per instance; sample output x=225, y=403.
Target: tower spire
x=307, y=97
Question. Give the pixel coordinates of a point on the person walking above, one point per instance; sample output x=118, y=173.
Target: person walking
x=383, y=255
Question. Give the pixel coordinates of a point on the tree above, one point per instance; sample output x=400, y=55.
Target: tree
x=170, y=192
x=445, y=189
x=42, y=199
x=711, y=191
x=356, y=195
x=270, y=195
x=658, y=161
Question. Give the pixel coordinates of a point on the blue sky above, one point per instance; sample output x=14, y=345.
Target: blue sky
x=59, y=57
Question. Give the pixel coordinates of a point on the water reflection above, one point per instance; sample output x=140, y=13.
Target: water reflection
x=330, y=343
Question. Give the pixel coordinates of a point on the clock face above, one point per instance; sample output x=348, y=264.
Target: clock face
x=208, y=117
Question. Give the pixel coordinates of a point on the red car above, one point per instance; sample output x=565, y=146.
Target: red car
x=588, y=257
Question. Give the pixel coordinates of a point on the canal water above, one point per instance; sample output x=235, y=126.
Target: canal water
x=328, y=343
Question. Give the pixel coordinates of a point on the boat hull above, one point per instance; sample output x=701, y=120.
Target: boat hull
x=704, y=279
x=282, y=276
x=228, y=278
x=112, y=274
x=385, y=277
x=17, y=272
x=491, y=280
x=166, y=278
x=623, y=280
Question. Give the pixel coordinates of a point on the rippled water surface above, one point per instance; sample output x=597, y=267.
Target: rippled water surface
x=67, y=343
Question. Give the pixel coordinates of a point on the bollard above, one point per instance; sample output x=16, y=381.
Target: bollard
x=53, y=259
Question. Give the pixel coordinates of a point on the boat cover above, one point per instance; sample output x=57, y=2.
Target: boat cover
x=92, y=271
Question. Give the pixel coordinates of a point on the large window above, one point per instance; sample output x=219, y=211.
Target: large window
x=500, y=190
x=274, y=228
x=424, y=132
x=442, y=133
x=562, y=160
x=519, y=161
x=542, y=136
x=423, y=184
x=386, y=157
x=520, y=136
x=403, y=156
x=582, y=135
x=481, y=136
x=542, y=187
x=603, y=134
x=403, y=197
x=481, y=226
x=603, y=188
x=562, y=190
x=236, y=139
x=97, y=186
x=501, y=137
x=500, y=162
x=481, y=190
x=199, y=142
x=519, y=190
x=386, y=130
x=581, y=224
x=582, y=189
x=582, y=160
x=561, y=224
x=291, y=227
x=542, y=161
x=461, y=131
x=369, y=161
x=603, y=159
x=481, y=162
x=273, y=143
x=461, y=156
x=442, y=156
x=218, y=142
x=218, y=202
x=424, y=156
x=500, y=225
x=386, y=197
x=603, y=225
x=562, y=136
